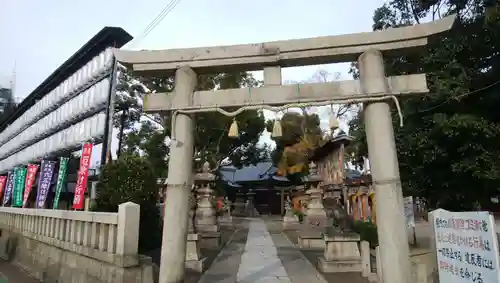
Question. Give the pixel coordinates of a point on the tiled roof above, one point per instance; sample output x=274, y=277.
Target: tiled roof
x=252, y=173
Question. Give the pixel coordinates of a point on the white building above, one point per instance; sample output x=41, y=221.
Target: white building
x=6, y=85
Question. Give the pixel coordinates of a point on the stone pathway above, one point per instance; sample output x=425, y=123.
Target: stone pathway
x=225, y=266
x=257, y=255
x=298, y=267
x=260, y=262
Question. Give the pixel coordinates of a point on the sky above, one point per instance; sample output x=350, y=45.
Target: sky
x=38, y=36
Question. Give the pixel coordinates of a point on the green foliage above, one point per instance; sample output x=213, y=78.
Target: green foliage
x=367, y=232
x=448, y=148
x=132, y=178
x=300, y=215
x=148, y=139
x=211, y=141
x=301, y=134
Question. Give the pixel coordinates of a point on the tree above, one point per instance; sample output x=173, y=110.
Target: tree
x=148, y=140
x=211, y=129
x=131, y=178
x=447, y=148
x=127, y=105
x=301, y=133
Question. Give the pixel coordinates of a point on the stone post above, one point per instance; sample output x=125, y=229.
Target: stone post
x=365, y=259
x=127, y=242
x=192, y=213
x=193, y=254
x=316, y=214
x=290, y=220
x=393, y=239
x=226, y=212
x=173, y=250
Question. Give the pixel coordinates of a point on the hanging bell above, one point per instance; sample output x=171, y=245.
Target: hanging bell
x=233, y=130
x=334, y=123
x=277, y=130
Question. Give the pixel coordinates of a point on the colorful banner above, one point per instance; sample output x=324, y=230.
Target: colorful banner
x=83, y=174
x=30, y=180
x=19, y=181
x=61, y=176
x=3, y=181
x=46, y=173
x=8, y=188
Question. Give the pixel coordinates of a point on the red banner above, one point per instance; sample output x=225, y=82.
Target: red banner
x=83, y=174
x=30, y=180
x=3, y=181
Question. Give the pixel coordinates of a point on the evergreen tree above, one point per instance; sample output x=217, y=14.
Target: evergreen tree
x=146, y=134
x=132, y=178
x=448, y=148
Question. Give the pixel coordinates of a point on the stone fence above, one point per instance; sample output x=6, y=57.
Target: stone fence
x=58, y=245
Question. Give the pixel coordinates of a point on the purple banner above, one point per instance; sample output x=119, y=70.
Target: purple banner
x=44, y=182
x=9, y=187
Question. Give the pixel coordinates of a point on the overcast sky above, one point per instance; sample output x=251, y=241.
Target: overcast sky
x=38, y=36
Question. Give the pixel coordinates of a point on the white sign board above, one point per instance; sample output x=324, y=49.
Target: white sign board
x=466, y=247
x=409, y=212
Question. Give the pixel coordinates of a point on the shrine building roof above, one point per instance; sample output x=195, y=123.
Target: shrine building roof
x=329, y=146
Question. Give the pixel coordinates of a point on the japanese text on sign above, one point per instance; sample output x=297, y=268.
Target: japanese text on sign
x=63, y=163
x=44, y=182
x=30, y=180
x=19, y=181
x=83, y=172
x=466, y=246
x=8, y=187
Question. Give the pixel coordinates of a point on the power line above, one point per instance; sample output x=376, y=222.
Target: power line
x=163, y=15
x=456, y=97
x=156, y=21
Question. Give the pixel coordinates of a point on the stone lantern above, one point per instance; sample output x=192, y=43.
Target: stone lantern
x=315, y=215
x=194, y=259
x=206, y=216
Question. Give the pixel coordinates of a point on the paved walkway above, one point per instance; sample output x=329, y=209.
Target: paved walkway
x=255, y=255
x=260, y=262
x=13, y=274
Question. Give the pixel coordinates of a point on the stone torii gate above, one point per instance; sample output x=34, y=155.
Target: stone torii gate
x=373, y=88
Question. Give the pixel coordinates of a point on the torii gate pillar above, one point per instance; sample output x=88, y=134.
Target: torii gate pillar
x=180, y=180
x=392, y=235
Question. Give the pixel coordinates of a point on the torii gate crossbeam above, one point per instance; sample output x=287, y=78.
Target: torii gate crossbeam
x=366, y=48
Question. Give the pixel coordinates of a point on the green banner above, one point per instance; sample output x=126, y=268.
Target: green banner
x=19, y=180
x=61, y=176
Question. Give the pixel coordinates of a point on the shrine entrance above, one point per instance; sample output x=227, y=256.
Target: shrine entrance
x=373, y=89
x=268, y=201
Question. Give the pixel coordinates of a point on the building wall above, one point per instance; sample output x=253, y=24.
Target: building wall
x=6, y=100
